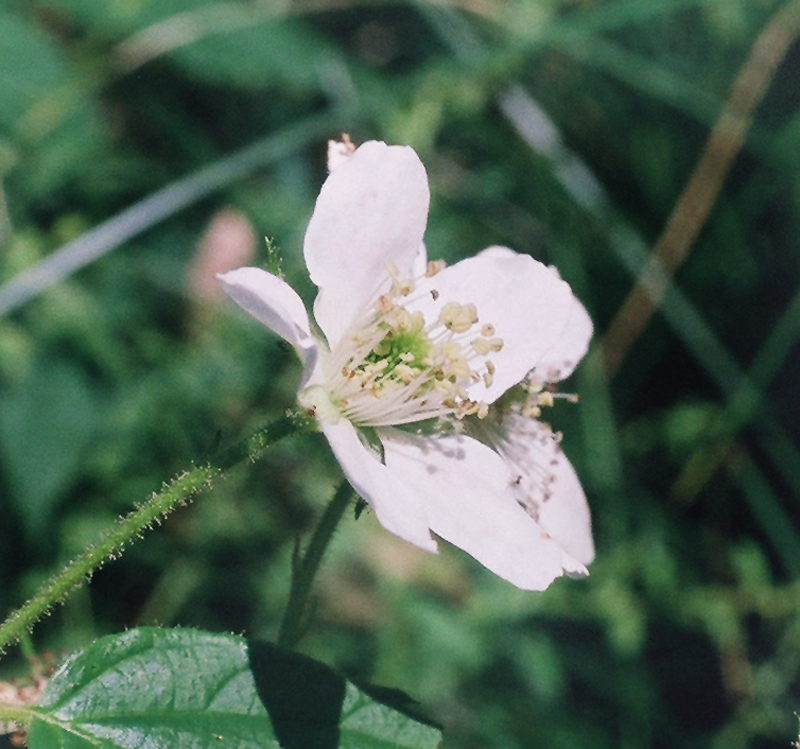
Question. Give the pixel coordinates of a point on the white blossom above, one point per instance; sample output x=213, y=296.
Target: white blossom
x=416, y=374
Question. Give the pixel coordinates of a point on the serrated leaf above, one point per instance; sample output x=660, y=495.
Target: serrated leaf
x=367, y=724
x=154, y=688
x=312, y=705
x=310, y=721
x=184, y=688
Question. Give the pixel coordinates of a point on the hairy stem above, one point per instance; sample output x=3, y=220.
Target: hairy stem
x=304, y=570
x=179, y=491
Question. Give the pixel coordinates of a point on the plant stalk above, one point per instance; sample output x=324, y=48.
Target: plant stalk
x=178, y=492
x=304, y=570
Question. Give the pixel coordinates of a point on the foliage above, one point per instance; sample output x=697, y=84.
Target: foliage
x=144, y=686
x=129, y=369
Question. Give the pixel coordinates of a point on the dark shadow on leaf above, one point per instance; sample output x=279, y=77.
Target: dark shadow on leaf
x=398, y=700
x=303, y=697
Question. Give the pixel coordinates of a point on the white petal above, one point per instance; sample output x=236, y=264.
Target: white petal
x=275, y=304
x=498, y=251
x=565, y=516
x=396, y=506
x=528, y=305
x=420, y=264
x=546, y=482
x=370, y=212
x=570, y=347
x=465, y=489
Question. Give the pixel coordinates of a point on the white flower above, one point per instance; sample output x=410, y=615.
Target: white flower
x=407, y=375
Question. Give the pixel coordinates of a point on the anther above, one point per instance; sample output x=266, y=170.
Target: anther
x=402, y=288
x=458, y=318
x=434, y=267
x=484, y=345
x=545, y=399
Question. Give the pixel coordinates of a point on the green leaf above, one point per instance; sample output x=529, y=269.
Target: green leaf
x=368, y=724
x=47, y=422
x=184, y=688
x=54, y=123
x=32, y=66
x=310, y=721
x=265, y=51
x=233, y=43
x=154, y=687
x=312, y=705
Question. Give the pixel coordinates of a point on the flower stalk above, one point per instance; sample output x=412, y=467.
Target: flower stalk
x=178, y=492
x=304, y=570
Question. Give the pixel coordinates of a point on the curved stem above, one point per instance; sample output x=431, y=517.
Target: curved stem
x=303, y=571
x=178, y=492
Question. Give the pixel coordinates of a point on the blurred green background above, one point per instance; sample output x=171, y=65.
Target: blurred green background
x=564, y=129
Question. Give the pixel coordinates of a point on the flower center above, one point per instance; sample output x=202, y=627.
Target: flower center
x=395, y=367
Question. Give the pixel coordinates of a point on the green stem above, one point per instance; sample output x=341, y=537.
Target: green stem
x=178, y=492
x=303, y=571
x=18, y=714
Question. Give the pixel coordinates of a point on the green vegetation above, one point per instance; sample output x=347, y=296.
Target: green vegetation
x=145, y=145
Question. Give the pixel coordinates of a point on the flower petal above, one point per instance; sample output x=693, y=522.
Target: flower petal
x=525, y=301
x=565, y=516
x=464, y=486
x=420, y=264
x=370, y=212
x=275, y=304
x=396, y=506
x=570, y=347
x=546, y=483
